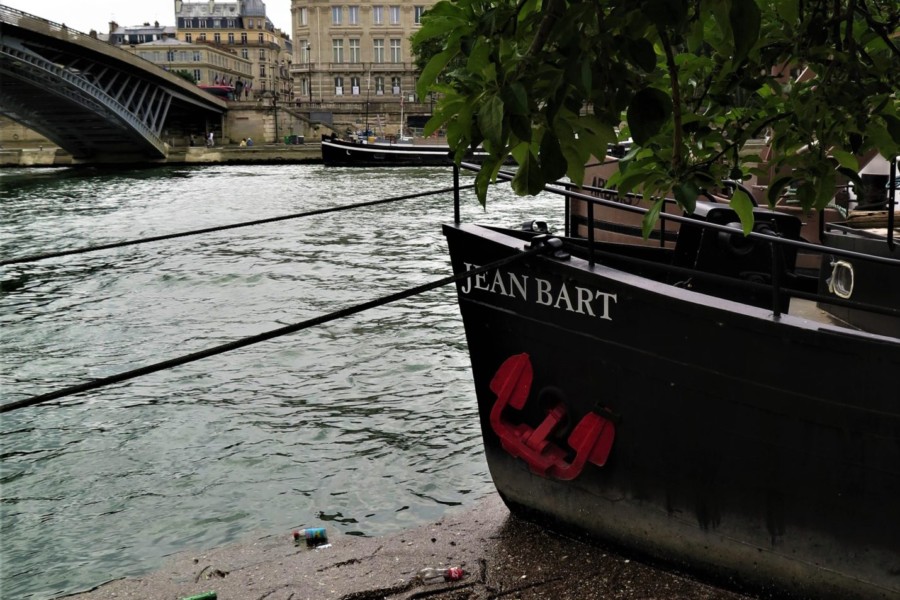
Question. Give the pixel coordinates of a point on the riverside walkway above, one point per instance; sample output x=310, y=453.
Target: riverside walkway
x=51, y=156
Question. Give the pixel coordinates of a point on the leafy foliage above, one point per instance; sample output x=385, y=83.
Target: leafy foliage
x=185, y=74
x=552, y=82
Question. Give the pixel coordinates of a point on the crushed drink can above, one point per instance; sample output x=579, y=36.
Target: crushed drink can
x=314, y=536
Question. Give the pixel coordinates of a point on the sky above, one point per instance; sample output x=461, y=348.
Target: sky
x=84, y=15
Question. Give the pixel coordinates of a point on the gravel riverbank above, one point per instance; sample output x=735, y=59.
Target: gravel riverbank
x=503, y=557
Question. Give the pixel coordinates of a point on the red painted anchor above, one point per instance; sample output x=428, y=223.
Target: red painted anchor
x=591, y=439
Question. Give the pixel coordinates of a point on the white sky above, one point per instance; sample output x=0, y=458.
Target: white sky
x=84, y=15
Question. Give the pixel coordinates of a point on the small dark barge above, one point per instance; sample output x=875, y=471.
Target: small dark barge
x=358, y=153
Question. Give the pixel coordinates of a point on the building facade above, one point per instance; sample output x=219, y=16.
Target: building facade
x=208, y=65
x=241, y=27
x=354, y=50
x=140, y=34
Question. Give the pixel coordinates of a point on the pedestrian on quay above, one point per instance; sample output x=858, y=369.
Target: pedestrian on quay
x=211, y=141
x=249, y=141
x=243, y=142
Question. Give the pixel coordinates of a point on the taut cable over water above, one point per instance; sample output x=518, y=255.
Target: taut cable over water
x=262, y=337
x=171, y=236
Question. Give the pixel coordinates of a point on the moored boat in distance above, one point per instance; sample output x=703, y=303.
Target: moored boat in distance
x=400, y=152
x=689, y=401
x=338, y=152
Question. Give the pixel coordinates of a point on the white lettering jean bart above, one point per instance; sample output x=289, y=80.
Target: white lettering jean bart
x=563, y=296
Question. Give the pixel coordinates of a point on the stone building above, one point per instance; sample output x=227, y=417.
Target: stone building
x=355, y=51
x=209, y=65
x=243, y=27
x=124, y=35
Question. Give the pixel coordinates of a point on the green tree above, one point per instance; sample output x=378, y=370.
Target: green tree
x=186, y=75
x=552, y=82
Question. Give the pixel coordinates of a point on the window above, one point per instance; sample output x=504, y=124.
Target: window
x=262, y=71
x=395, y=51
x=262, y=54
x=196, y=56
x=196, y=74
x=417, y=11
x=337, y=12
x=304, y=17
x=353, y=15
x=170, y=55
x=379, y=51
x=378, y=15
x=395, y=86
x=354, y=51
x=337, y=47
x=338, y=86
x=217, y=23
x=230, y=23
x=250, y=24
x=188, y=38
x=304, y=51
x=379, y=86
x=245, y=53
x=202, y=37
x=304, y=87
x=395, y=15
x=217, y=38
x=244, y=38
x=261, y=39
x=231, y=39
x=354, y=86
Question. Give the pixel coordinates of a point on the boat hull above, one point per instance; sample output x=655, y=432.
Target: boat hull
x=342, y=153
x=737, y=454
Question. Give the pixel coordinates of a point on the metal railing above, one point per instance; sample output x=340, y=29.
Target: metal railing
x=777, y=288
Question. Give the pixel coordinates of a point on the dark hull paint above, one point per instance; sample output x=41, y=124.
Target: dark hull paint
x=342, y=153
x=756, y=451
x=871, y=284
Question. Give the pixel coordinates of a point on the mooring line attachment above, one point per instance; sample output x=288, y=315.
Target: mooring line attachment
x=170, y=236
x=268, y=335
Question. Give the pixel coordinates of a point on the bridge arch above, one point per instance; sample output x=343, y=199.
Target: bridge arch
x=96, y=101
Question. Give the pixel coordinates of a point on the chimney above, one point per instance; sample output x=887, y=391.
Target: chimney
x=113, y=26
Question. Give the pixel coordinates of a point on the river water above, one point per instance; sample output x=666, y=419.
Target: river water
x=365, y=425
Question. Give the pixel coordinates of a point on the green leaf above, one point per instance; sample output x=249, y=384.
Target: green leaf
x=648, y=111
x=651, y=217
x=775, y=189
x=490, y=121
x=686, y=195
x=666, y=13
x=789, y=10
x=641, y=53
x=742, y=204
x=432, y=70
x=527, y=179
x=553, y=163
x=845, y=159
x=745, y=23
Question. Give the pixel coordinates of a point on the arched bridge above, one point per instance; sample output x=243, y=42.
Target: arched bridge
x=96, y=101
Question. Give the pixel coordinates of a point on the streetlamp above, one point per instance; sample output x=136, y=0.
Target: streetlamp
x=309, y=70
x=275, y=106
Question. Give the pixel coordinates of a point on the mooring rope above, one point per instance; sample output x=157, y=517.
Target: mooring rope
x=262, y=337
x=170, y=236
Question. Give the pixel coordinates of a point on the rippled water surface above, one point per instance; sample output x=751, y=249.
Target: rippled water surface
x=366, y=425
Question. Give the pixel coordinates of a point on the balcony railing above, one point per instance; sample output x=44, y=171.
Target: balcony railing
x=355, y=67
